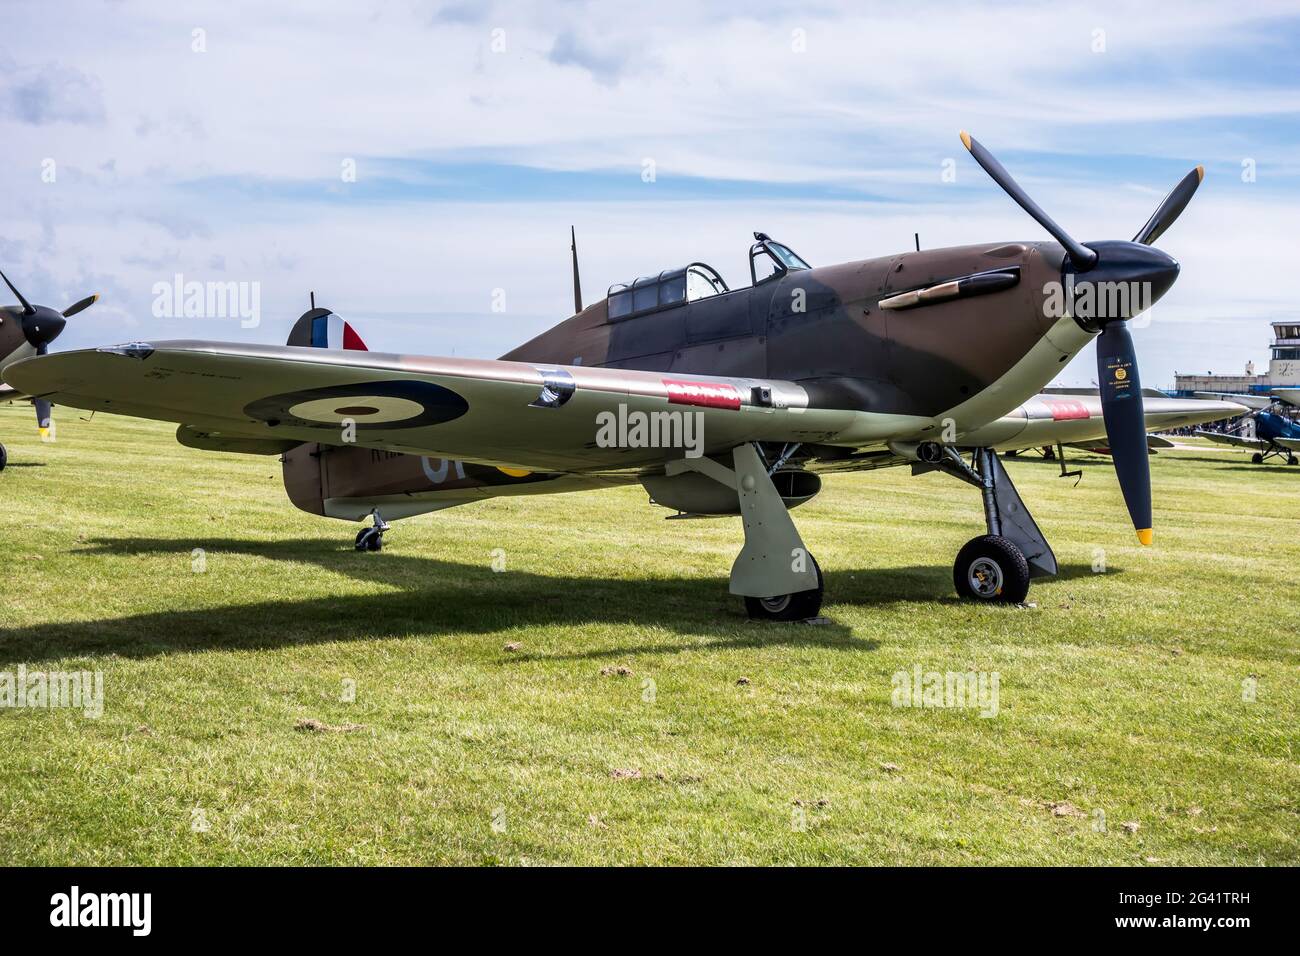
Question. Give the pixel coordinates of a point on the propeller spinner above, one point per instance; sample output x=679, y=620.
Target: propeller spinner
x=41, y=325
x=1109, y=282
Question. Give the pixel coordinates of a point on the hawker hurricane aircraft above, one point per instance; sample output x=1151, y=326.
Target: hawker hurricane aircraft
x=719, y=401
x=27, y=330
x=1276, y=435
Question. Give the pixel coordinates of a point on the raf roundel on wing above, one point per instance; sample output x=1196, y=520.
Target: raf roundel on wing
x=371, y=405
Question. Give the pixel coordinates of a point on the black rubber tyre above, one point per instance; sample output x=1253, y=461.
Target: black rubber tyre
x=1011, y=453
x=1257, y=459
x=1291, y=459
x=368, y=539
x=991, y=569
x=4, y=457
x=789, y=607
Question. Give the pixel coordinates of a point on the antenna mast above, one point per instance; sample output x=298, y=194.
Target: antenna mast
x=577, y=285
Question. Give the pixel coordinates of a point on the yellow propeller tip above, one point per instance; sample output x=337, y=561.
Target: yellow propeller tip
x=965, y=139
x=44, y=432
x=1200, y=174
x=1145, y=535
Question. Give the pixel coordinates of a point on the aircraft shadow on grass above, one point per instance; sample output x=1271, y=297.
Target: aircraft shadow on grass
x=1242, y=463
x=432, y=597
x=1226, y=461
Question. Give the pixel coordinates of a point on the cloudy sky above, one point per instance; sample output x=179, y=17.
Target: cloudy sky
x=407, y=160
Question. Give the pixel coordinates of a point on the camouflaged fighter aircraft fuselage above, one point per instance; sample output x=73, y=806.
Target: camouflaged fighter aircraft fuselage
x=825, y=328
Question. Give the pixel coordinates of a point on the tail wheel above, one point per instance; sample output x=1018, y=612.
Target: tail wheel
x=369, y=539
x=991, y=569
x=799, y=606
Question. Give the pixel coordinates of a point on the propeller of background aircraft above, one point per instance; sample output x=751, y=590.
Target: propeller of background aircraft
x=41, y=326
x=1092, y=271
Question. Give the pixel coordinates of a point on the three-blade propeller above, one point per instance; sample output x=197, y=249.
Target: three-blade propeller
x=1109, y=282
x=41, y=325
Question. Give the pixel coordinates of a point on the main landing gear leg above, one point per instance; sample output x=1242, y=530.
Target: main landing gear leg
x=778, y=578
x=1259, y=459
x=997, y=566
x=372, y=538
x=774, y=573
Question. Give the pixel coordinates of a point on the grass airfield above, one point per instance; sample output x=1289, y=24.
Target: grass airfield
x=1122, y=734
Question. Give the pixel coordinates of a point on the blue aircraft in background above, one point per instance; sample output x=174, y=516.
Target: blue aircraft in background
x=1276, y=433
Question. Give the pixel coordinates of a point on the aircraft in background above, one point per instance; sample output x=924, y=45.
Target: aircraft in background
x=931, y=358
x=1276, y=435
x=27, y=330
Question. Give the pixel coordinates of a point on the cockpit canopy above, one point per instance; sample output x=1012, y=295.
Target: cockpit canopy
x=671, y=288
x=768, y=260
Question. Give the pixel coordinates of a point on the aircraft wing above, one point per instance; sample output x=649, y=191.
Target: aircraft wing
x=1239, y=440
x=1075, y=418
x=1255, y=402
x=1289, y=395
x=514, y=414
x=1292, y=444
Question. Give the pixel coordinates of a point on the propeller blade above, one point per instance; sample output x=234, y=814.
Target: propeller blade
x=1082, y=257
x=76, y=307
x=1126, y=434
x=27, y=306
x=1171, y=207
x=42, y=416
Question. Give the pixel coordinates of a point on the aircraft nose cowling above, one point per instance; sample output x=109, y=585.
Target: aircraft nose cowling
x=1128, y=278
x=43, y=326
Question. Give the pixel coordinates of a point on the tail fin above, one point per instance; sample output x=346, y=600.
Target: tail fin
x=322, y=329
x=304, y=476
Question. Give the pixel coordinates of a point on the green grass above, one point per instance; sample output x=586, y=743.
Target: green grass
x=1120, y=692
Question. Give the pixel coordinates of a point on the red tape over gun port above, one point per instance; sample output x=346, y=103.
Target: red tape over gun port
x=707, y=394
x=1068, y=411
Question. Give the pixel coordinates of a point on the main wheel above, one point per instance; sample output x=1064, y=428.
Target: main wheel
x=789, y=607
x=991, y=568
x=1291, y=459
x=4, y=457
x=1257, y=459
